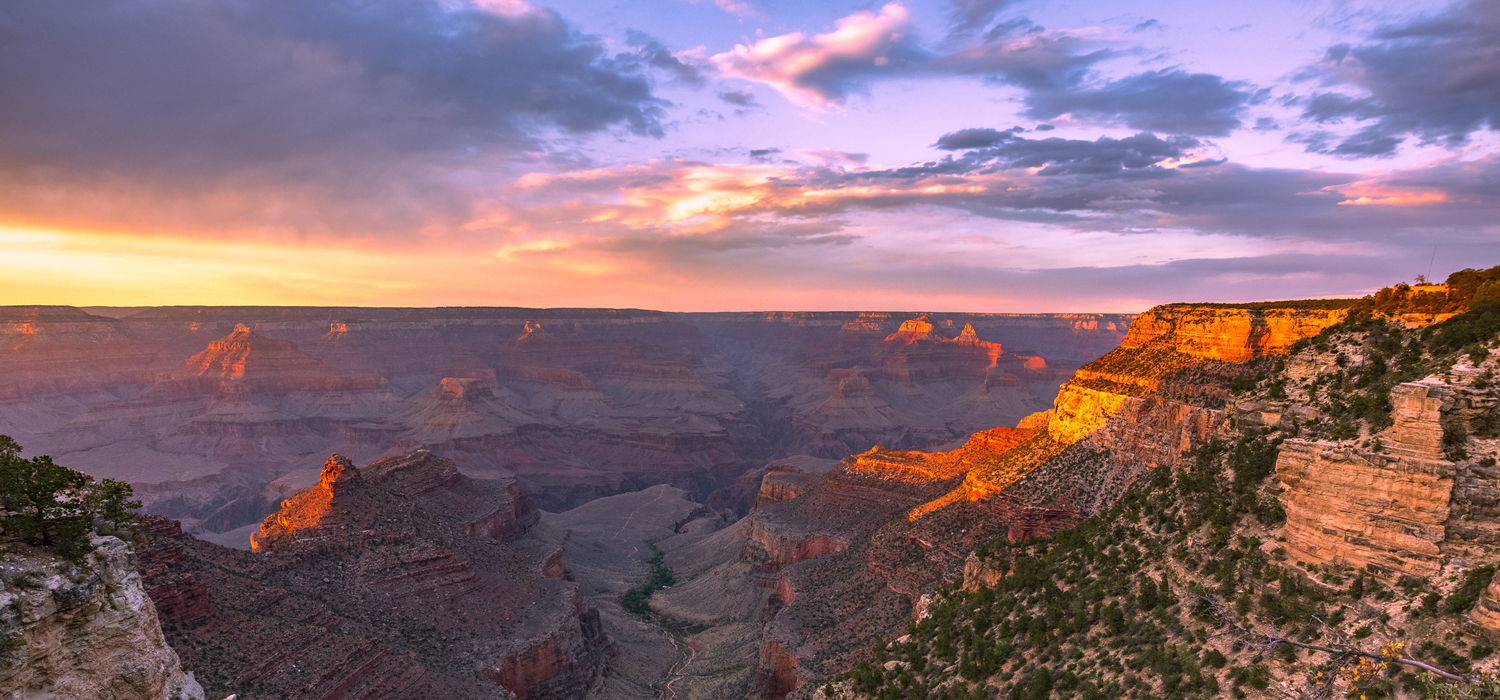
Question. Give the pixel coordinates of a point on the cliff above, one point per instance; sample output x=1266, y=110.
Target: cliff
x=1401, y=507
x=403, y=578
x=1155, y=397
x=1221, y=332
x=86, y=630
x=843, y=538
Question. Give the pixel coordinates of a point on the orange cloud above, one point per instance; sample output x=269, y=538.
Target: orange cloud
x=1373, y=192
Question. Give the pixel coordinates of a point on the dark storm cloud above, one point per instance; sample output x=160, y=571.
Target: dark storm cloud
x=1435, y=78
x=656, y=55
x=1171, y=101
x=339, y=96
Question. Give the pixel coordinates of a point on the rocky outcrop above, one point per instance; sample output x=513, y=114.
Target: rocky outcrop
x=776, y=676
x=561, y=664
x=411, y=578
x=778, y=486
x=87, y=630
x=1402, y=510
x=1385, y=514
x=927, y=467
x=774, y=547
x=981, y=573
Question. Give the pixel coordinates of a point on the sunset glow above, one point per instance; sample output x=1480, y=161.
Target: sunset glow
x=731, y=155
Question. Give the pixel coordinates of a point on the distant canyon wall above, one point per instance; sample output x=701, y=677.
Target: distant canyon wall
x=212, y=412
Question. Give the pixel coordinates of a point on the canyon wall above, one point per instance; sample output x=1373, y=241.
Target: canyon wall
x=86, y=631
x=401, y=579
x=212, y=411
x=904, y=519
x=1401, y=508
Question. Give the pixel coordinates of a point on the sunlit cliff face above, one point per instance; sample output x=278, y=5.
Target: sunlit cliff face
x=1160, y=342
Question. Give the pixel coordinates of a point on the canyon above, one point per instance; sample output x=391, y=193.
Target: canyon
x=215, y=413
x=820, y=482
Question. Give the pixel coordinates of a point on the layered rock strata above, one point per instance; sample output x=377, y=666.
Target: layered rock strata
x=1400, y=511
x=401, y=579
x=1137, y=409
x=1385, y=514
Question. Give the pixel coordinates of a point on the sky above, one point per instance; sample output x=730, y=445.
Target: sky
x=724, y=155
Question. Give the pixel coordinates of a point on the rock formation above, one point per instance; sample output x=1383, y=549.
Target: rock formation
x=1222, y=332
x=838, y=559
x=1399, y=511
x=85, y=630
x=401, y=579
x=1347, y=507
x=212, y=411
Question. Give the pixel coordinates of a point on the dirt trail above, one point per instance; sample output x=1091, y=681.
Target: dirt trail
x=677, y=672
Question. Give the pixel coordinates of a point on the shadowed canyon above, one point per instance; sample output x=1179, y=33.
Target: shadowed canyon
x=558, y=504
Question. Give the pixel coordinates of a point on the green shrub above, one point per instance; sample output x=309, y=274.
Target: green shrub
x=1466, y=596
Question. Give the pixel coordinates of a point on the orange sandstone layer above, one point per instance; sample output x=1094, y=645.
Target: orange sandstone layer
x=1400, y=511
x=1228, y=334
x=1111, y=401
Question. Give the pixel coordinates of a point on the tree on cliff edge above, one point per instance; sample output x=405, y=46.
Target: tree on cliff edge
x=57, y=507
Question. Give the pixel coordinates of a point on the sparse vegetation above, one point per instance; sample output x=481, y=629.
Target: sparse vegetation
x=53, y=506
x=1180, y=590
x=637, y=600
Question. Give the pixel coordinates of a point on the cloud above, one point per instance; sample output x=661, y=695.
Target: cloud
x=822, y=70
x=965, y=139
x=829, y=155
x=1435, y=77
x=739, y=98
x=305, y=114
x=1173, y=101
x=658, y=56
x=1024, y=55
x=970, y=15
x=1056, y=69
x=1104, y=156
